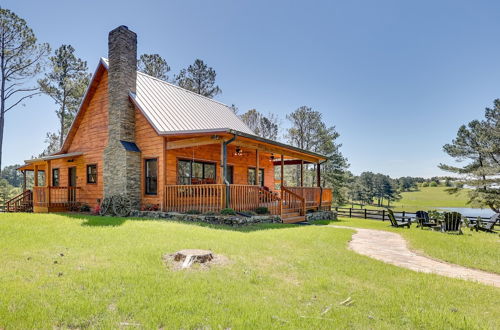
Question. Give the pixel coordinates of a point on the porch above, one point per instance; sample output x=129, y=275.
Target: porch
x=290, y=203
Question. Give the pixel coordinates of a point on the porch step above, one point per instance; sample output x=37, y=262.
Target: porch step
x=295, y=219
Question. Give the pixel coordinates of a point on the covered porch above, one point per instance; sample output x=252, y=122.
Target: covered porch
x=47, y=194
x=236, y=183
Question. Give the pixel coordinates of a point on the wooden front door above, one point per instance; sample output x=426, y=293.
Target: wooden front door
x=72, y=184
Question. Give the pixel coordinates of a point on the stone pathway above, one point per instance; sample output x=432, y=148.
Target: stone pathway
x=392, y=248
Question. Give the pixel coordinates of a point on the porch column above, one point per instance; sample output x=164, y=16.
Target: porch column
x=282, y=171
x=318, y=174
x=48, y=179
x=36, y=176
x=302, y=173
x=257, y=181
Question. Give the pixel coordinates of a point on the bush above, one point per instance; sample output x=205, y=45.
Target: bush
x=433, y=184
x=210, y=213
x=228, y=211
x=85, y=208
x=262, y=210
x=425, y=184
x=150, y=207
x=193, y=212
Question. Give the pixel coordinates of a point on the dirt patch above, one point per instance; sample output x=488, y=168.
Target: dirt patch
x=194, y=260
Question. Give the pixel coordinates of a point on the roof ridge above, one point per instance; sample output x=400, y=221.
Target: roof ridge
x=106, y=61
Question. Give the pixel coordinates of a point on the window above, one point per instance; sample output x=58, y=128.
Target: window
x=55, y=177
x=251, y=176
x=92, y=173
x=151, y=175
x=195, y=172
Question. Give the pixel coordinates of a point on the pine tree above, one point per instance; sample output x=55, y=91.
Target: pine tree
x=154, y=65
x=20, y=61
x=199, y=78
x=65, y=83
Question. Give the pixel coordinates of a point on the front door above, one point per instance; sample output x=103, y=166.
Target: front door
x=72, y=184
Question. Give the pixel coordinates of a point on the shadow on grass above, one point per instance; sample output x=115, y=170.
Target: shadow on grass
x=110, y=221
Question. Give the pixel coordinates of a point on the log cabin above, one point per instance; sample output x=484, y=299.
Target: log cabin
x=167, y=147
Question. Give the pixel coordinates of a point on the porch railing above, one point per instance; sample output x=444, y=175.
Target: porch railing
x=249, y=198
x=20, y=203
x=55, y=196
x=202, y=197
x=314, y=196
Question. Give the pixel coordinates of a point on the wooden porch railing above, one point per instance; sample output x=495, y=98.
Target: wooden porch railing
x=55, y=196
x=20, y=203
x=315, y=197
x=249, y=197
x=292, y=201
x=201, y=197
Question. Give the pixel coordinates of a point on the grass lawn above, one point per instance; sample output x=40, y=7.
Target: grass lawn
x=111, y=275
x=427, y=198
x=472, y=249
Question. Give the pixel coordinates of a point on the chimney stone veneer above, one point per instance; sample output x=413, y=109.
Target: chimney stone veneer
x=122, y=168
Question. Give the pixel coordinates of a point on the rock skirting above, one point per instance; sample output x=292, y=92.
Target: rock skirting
x=231, y=220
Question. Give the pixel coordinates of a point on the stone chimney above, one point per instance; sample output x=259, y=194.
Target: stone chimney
x=122, y=168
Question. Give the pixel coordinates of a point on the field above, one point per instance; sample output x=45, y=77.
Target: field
x=61, y=271
x=427, y=198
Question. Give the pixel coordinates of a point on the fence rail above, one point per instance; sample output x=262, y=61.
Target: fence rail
x=382, y=214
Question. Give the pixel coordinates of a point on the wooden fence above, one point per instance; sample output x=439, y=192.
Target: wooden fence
x=382, y=214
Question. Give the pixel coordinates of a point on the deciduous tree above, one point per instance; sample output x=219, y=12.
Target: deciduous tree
x=264, y=126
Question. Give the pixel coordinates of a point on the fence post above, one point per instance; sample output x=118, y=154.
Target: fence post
x=403, y=215
x=350, y=213
x=383, y=215
x=365, y=213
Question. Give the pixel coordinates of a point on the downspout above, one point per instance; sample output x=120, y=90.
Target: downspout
x=224, y=170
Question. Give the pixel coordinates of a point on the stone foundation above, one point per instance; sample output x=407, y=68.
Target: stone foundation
x=321, y=215
x=231, y=220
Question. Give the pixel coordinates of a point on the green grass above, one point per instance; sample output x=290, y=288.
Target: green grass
x=472, y=249
x=427, y=198
x=112, y=275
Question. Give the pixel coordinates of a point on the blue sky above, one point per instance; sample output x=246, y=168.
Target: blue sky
x=396, y=78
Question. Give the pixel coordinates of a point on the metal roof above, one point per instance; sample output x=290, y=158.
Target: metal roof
x=50, y=157
x=172, y=109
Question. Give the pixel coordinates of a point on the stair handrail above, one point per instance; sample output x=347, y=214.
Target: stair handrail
x=297, y=196
x=16, y=199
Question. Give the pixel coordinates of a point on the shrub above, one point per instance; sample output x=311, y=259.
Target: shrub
x=150, y=207
x=210, y=213
x=228, y=211
x=425, y=184
x=193, y=212
x=85, y=208
x=433, y=184
x=262, y=210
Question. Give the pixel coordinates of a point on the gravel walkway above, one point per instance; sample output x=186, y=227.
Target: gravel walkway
x=392, y=248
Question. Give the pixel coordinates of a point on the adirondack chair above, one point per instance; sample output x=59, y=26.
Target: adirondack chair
x=423, y=220
x=452, y=223
x=488, y=227
x=396, y=223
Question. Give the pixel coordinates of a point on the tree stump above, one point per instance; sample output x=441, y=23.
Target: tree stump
x=188, y=257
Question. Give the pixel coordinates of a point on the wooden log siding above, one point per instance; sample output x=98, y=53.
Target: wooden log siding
x=203, y=198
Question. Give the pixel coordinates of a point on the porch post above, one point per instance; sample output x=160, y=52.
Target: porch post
x=48, y=179
x=282, y=172
x=224, y=172
x=36, y=176
x=302, y=173
x=257, y=181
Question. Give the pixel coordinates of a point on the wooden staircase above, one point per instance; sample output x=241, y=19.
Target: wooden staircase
x=293, y=208
x=20, y=203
